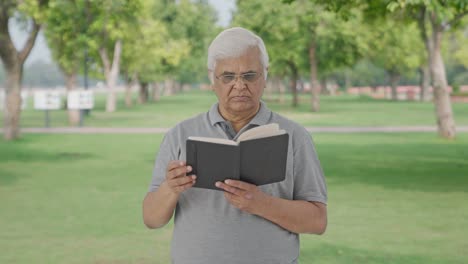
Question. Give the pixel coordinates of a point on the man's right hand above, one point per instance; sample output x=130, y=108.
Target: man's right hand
x=176, y=178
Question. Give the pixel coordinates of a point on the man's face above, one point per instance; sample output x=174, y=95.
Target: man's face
x=240, y=96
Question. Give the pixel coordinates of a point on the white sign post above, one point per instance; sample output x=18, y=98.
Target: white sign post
x=80, y=100
x=47, y=100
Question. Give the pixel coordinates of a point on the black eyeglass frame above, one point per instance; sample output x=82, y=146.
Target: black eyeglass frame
x=233, y=77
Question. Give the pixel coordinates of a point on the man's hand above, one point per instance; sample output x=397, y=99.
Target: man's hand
x=175, y=176
x=244, y=196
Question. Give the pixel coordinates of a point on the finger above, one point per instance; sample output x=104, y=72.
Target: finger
x=179, y=172
x=231, y=198
x=184, y=187
x=239, y=184
x=229, y=189
x=175, y=164
x=181, y=181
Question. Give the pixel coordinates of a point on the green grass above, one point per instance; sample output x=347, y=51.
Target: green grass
x=393, y=198
x=342, y=110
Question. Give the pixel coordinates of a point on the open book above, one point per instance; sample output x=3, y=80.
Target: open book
x=258, y=157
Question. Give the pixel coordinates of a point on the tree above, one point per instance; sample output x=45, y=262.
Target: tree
x=435, y=17
x=32, y=12
x=110, y=21
x=65, y=33
x=396, y=48
x=195, y=22
x=304, y=37
x=277, y=25
x=150, y=50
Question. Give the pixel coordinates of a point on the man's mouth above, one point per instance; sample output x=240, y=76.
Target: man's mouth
x=240, y=98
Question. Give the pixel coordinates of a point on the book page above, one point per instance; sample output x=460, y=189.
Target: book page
x=264, y=135
x=215, y=140
x=261, y=131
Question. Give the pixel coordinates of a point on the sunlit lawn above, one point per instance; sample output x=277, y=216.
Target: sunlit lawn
x=393, y=198
x=344, y=110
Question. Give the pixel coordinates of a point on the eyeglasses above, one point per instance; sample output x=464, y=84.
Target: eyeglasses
x=246, y=77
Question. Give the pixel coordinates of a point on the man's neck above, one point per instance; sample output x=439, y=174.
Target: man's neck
x=238, y=121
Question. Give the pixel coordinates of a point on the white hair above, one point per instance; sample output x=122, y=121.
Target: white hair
x=233, y=42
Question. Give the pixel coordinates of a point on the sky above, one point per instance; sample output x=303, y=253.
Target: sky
x=42, y=52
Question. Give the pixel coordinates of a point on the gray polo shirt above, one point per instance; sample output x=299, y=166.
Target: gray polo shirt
x=207, y=229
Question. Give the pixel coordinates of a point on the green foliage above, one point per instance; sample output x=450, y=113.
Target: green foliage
x=148, y=46
x=444, y=11
x=66, y=33
x=110, y=21
x=277, y=25
x=396, y=47
x=192, y=25
x=34, y=9
x=289, y=29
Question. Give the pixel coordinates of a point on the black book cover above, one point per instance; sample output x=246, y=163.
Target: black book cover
x=257, y=161
x=212, y=162
x=263, y=160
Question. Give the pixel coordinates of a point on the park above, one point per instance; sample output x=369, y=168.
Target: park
x=393, y=145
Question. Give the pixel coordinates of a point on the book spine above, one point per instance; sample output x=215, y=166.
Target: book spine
x=192, y=157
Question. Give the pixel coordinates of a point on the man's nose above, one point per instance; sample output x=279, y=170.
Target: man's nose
x=239, y=82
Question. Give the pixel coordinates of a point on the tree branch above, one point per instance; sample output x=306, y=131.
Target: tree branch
x=105, y=61
x=8, y=51
x=457, y=18
x=117, y=52
x=23, y=54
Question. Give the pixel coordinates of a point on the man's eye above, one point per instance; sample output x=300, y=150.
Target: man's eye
x=228, y=78
x=249, y=76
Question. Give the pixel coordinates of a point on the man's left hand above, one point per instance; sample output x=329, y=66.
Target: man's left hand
x=244, y=196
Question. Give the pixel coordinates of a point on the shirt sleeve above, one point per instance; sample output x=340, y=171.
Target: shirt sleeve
x=309, y=180
x=167, y=152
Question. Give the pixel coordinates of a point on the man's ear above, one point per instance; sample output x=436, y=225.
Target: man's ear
x=211, y=77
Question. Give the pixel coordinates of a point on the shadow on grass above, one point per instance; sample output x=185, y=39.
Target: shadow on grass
x=411, y=166
x=18, y=153
x=326, y=253
x=7, y=177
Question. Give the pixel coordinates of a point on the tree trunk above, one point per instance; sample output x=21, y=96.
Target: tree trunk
x=111, y=72
x=267, y=92
x=128, y=94
x=282, y=90
x=177, y=87
x=73, y=114
x=130, y=83
x=12, y=109
x=424, y=82
x=13, y=61
x=293, y=83
x=144, y=93
x=314, y=83
x=425, y=70
x=394, y=80
x=169, y=87
x=323, y=86
x=156, y=91
x=443, y=105
x=347, y=79
x=186, y=87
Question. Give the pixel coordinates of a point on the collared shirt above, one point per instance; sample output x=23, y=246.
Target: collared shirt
x=207, y=229
x=261, y=118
